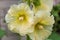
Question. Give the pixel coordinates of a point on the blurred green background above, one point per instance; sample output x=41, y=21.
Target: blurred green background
x=56, y=29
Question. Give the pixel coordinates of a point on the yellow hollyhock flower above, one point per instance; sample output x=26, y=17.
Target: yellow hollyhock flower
x=43, y=26
x=20, y=19
x=45, y=5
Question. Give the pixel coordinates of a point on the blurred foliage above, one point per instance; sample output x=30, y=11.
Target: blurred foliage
x=35, y=2
x=56, y=29
x=2, y=33
x=56, y=13
x=28, y=38
x=28, y=2
x=54, y=36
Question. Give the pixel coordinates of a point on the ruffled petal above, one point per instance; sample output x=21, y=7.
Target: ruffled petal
x=22, y=29
x=40, y=34
x=48, y=3
x=45, y=5
x=12, y=14
x=13, y=19
x=45, y=18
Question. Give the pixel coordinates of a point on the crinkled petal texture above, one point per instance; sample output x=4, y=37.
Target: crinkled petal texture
x=20, y=19
x=45, y=17
x=43, y=26
x=45, y=5
x=41, y=34
x=48, y=3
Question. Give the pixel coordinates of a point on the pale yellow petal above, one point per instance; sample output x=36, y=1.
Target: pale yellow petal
x=45, y=18
x=13, y=18
x=45, y=5
x=22, y=29
x=12, y=14
x=48, y=3
x=40, y=34
x=48, y=27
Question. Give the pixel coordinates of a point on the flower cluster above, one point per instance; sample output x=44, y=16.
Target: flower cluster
x=36, y=22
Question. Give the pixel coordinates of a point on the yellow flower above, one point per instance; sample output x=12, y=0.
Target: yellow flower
x=45, y=5
x=43, y=26
x=20, y=19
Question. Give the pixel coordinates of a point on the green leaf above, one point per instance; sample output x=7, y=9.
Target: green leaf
x=55, y=13
x=57, y=7
x=36, y=3
x=2, y=33
x=54, y=36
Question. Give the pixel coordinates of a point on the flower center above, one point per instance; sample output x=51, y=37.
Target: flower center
x=40, y=27
x=21, y=18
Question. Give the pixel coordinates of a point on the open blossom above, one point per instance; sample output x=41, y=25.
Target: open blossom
x=43, y=26
x=20, y=19
x=45, y=5
x=37, y=22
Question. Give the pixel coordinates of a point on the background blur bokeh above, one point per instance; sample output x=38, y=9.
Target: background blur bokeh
x=5, y=34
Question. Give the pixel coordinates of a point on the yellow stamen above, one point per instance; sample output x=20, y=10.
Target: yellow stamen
x=21, y=18
x=40, y=27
